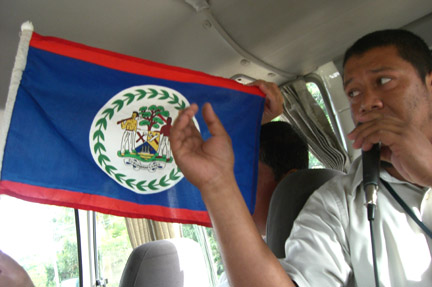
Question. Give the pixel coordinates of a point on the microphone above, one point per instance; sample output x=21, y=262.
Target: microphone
x=371, y=167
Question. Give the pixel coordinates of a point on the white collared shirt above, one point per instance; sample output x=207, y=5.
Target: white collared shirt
x=330, y=242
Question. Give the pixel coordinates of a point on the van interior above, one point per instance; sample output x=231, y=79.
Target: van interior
x=279, y=41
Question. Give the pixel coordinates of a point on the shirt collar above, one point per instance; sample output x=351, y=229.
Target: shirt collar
x=357, y=169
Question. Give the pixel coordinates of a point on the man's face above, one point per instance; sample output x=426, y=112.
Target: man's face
x=381, y=81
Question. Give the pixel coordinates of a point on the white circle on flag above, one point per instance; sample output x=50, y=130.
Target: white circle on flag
x=129, y=138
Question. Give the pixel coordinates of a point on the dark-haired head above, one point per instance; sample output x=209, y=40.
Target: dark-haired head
x=282, y=148
x=410, y=47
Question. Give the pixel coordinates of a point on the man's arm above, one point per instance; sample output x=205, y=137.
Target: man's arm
x=209, y=166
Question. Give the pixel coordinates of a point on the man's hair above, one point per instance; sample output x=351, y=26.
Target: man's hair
x=410, y=47
x=282, y=148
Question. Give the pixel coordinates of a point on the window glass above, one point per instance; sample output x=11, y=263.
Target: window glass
x=41, y=238
x=314, y=162
x=316, y=94
x=206, y=238
x=113, y=247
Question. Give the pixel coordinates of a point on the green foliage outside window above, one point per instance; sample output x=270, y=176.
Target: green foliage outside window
x=113, y=246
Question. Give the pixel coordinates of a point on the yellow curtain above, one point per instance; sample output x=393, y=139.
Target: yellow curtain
x=143, y=230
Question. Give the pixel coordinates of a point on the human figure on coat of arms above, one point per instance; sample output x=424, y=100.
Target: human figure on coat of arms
x=128, y=138
x=164, y=146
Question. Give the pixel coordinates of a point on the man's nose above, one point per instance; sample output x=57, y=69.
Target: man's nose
x=370, y=100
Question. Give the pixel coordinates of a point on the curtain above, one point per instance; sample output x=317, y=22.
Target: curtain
x=143, y=230
x=304, y=113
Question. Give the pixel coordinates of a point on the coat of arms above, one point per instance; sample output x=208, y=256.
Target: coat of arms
x=129, y=138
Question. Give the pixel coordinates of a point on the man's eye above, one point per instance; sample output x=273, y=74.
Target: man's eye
x=353, y=94
x=383, y=80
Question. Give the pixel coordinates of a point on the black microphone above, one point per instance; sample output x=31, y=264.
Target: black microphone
x=371, y=168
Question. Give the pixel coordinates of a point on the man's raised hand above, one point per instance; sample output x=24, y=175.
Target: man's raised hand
x=206, y=164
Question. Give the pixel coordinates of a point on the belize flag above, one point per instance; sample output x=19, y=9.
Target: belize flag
x=89, y=129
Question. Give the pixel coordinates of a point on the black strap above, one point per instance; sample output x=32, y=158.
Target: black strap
x=375, y=264
x=407, y=209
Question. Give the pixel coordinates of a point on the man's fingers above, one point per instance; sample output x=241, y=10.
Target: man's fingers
x=185, y=117
x=182, y=125
x=273, y=101
x=266, y=87
x=384, y=130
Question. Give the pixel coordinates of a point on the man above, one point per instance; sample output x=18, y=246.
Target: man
x=282, y=152
x=388, y=80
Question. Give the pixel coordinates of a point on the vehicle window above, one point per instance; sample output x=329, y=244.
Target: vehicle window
x=113, y=247
x=42, y=238
x=316, y=94
x=207, y=240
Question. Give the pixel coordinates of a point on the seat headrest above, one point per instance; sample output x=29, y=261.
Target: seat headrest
x=287, y=200
x=172, y=262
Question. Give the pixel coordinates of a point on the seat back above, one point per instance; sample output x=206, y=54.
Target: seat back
x=287, y=200
x=166, y=263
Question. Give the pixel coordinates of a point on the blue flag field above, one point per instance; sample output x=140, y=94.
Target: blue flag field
x=89, y=129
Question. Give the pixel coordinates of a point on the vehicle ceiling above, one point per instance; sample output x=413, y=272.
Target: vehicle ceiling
x=279, y=38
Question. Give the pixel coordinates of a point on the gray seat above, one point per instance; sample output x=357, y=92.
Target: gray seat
x=166, y=263
x=287, y=200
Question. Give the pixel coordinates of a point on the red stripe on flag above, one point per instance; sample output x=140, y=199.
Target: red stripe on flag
x=134, y=65
x=101, y=203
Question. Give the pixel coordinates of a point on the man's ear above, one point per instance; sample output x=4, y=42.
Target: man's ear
x=428, y=81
